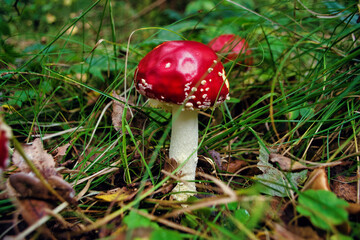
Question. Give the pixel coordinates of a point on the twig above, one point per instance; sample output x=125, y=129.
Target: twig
x=169, y=223
x=49, y=136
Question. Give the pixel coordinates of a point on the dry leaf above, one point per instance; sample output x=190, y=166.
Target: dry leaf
x=61, y=151
x=33, y=198
x=118, y=111
x=122, y=194
x=285, y=163
x=28, y=192
x=216, y=157
x=277, y=182
x=303, y=232
x=135, y=118
x=233, y=165
x=23, y=185
x=354, y=208
x=33, y=209
x=170, y=165
x=318, y=180
x=294, y=233
x=41, y=159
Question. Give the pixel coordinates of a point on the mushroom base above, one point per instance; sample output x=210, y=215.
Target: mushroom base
x=183, y=148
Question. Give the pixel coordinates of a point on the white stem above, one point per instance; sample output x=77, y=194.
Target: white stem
x=183, y=148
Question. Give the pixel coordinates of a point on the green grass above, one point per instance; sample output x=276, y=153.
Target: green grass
x=301, y=97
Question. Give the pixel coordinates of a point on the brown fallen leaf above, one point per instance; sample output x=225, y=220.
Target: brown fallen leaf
x=118, y=112
x=33, y=198
x=285, y=163
x=61, y=151
x=135, y=118
x=41, y=159
x=33, y=209
x=234, y=165
x=304, y=232
x=317, y=180
x=169, y=166
x=353, y=208
x=216, y=157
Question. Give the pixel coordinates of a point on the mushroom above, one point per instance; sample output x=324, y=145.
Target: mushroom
x=183, y=77
x=231, y=46
x=5, y=135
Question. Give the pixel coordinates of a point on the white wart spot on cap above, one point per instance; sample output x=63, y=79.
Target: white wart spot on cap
x=143, y=85
x=189, y=104
x=187, y=87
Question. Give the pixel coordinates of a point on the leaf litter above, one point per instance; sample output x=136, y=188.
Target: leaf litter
x=33, y=198
x=277, y=182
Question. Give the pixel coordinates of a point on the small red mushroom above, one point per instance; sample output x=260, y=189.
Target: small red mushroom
x=5, y=135
x=232, y=47
x=183, y=77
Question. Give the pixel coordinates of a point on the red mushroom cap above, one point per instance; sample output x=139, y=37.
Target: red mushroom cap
x=231, y=46
x=183, y=71
x=4, y=152
x=5, y=135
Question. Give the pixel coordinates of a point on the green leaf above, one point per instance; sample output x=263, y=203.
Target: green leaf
x=4, y=28
x=21, y=96
x=276, y=182
x=323, y=208
x=135, y=220
x=340, y=237
x=242, y=215
x=165, y=234
x=306, y=112
x=190, y=220
x=199, y=6
x=179, y=28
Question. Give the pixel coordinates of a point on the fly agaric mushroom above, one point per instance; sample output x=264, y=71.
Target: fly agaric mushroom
x=182, y=77
x=5, y=135
x=231, y=46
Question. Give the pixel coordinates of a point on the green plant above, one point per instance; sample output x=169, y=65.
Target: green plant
x=323, y=207
x=300, y=97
